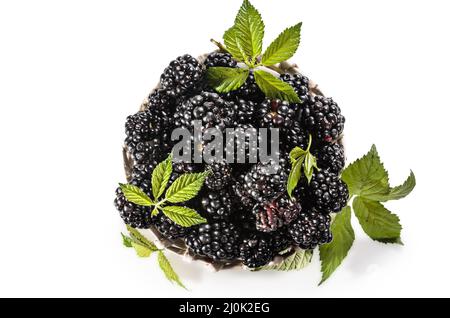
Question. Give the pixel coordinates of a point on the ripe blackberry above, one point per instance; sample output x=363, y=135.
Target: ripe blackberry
x=295, y=136
x=299, y=82
x=248, y=91
x=217, y=205
x=167, y=228
x=310, y=229
x=256, y=251
x=280, y=240
x=275, y=113
x=244, y=219
x=211, y=109
x=243, y=142
x=322, y=117
x=162, y=100
x=331, y=157
x=243, y=194
x=182, y=75
x=220, y=175
x=244, y=111
x=143, y=171
x=218, y=241
x=276, y=213
x=326, y=193
x=266, y=180
x=220, y=59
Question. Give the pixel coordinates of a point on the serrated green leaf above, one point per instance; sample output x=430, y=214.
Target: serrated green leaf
x=310, y=164
x=377, y=221
x=167, y=269
x=333, y=253
x=185, y=187
x=160, y=177
x=275, y=88
x=366, y=176
x=226, y=79
x=126, y=240
x=155, y=211
x=141, y=250
x=284, y=46
x=233, y=45
x=183, y=216
x=296, y=153
x=141, y=239
x=135, y=195
x=295, y=174
x=398, y=192
x=249, y=29
x=298, y=260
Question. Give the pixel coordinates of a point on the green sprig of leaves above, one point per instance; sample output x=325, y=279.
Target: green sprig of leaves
x=244, y=41
x=181, y=190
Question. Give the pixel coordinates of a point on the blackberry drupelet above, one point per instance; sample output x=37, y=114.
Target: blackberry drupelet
x=322, y=117
x=218, y=241
x=276, y=213
x=331, y=157
x=220, y=59
x=182, y=75
x=275, y=113
x=217, y=205
x=169, y=229
x=244, y=111
x=299, y=82
x=295, y=136
x=256, y=251
x=310, y=230
x=220, y=175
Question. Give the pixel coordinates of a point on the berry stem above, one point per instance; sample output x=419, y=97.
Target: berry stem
x=309, y=143
x=220, y=46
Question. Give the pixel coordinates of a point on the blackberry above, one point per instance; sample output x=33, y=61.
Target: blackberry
x=256, y=251
x=310, y=230
x=266, y=180
x=295, y=136
x=161, y=99
x=143, y=171
x=244, y=142
x=299, y=82
x=244, y=111
x=275, y=113
x=218, y=241
x=220, y=59
x=326, y=193
x=167, y=228
x=244, y=219
x=211, y=109
x=248, y=91
x=182, y=75
x=217, y=205
x=274, y=214
x=280, y=240
x=331, y=157
x=243, y=194
x=220, y=175
x=322, y=117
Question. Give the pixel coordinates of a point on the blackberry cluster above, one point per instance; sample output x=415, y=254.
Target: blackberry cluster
x=249, y=215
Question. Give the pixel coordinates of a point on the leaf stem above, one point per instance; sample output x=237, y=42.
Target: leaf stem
x=309, y=143
x=220, y=46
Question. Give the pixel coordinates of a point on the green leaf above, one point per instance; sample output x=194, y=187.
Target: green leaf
x=141, y=239
x=310, y=164
x=366, y=176
x=160, y=177
x=234, y=45
x=141, y=250
x=398, y=192
x=275, y=88
x=249, y=29
x=185, y=187
x=296, y=153
x=284, y=46
x=226, y=79
x=126, y=240
x=295, y=174
x=298, y=260
x=183, y=216
x=333, y=253
x=377, y=221
x=135, y=195
x=167, y=269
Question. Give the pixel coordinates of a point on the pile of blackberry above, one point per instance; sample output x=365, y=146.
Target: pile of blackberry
x=251, y=218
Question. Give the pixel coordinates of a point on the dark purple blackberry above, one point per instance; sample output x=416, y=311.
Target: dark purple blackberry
x=280, y=240
x=310, y=230
x=248, y=91
x=182, y=75
x=218, y=241
x=209, y=108
x=256, y=251
x=143, y=171
x=217, y=205
x=244, y=111
x=299, y=82
x=274, y=214
x=265, y=181
x=215, y=59
x=275, y=113
x=220, y=175
x=331, y=157
x=162, y=100
x=167, y=228
x=294, y=136
x=323, y=118
x=244, y=219
x=243, y=194
x=243, y=142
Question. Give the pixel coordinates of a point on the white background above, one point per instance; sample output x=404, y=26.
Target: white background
x=71, y=71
